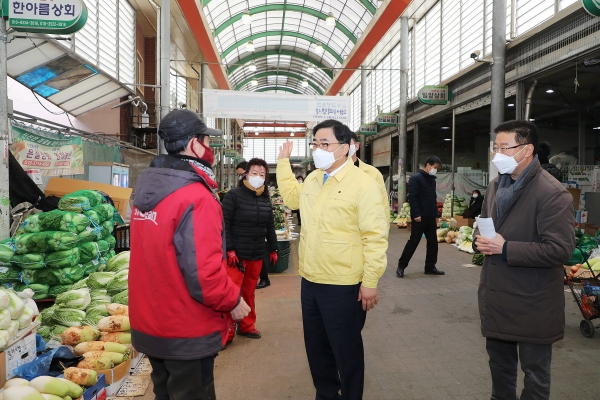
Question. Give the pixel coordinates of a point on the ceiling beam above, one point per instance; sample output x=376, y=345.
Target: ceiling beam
x=366, y=3
x=298, y=35
x=199, y=28
x=326, y=69
x=282, y=73
x=285, y=7
x=282, y=88
x=383, y=20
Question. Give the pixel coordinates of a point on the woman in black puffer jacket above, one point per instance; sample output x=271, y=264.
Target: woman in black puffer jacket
x=249, y=220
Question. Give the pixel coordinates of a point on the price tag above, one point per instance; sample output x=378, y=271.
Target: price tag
x=143, y=368
x=134, y=386
x=20, y=353
x=3, y=270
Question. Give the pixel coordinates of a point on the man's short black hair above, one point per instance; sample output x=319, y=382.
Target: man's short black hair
x=242, y=165
x=432, y=160
x=178, y=146
x=355, y=137
x=343, y=134
x=525, y=132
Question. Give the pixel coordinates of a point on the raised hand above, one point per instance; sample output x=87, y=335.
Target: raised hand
x=285, y=151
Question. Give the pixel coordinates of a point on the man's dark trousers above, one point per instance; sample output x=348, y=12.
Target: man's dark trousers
x=535, y=363
x=333, y=319
x=427, y=226
x=183, y=379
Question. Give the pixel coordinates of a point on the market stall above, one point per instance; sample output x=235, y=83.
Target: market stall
x=285, y=232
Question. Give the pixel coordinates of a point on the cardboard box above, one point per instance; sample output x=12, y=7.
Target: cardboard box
x=576, y=193
x=96, y=392
x=460, y=221
x=590, y=229
x=63, y=186
x=20, y=352
x=115, y=377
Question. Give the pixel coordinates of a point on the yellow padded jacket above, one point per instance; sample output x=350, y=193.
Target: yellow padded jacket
x=344, y=236
x=377, y=177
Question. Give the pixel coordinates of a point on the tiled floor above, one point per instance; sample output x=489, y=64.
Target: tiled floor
x=421, y=342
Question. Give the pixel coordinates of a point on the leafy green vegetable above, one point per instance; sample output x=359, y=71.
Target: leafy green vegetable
x=69, y=275
x=118, y=263
x=44, y=275
x=81, y=284
x=92, y=251
x=112, y=242
x=105, y=211
x=58, y=289
x=45, y=242
x=40, y=289
x=93, y=215
x=121, y=298
x=32, y=224
x=58, y=220
x=9, y=274
x=45, y=317
x=107, y=229
x=69, y=316
x=29, y=261
x=58, y=329
x=63, y=259
x=7, y=253
x=78, y=299
x=89, y=235
x=99, y=280
x=118, y=283
x=81, y=200
x=478, y=259
x=97, y=308
x=45, y=332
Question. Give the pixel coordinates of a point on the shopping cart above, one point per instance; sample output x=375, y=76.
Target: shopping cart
x=586, y=291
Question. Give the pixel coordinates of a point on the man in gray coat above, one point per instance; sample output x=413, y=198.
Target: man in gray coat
x=521, y=293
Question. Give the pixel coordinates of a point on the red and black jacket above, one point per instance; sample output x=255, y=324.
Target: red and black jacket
x=179, y=292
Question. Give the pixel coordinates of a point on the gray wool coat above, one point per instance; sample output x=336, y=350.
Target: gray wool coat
x=522, y=299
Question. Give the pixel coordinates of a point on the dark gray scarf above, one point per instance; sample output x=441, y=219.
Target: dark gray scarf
x=507, y=187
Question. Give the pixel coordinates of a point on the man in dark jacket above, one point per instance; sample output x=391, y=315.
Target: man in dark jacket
x=521, y=291
x=180, y=295
x=424, y=215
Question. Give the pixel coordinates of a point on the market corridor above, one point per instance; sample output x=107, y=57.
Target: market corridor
x=421, y=342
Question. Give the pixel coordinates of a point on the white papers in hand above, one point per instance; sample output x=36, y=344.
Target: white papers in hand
x=486, y=227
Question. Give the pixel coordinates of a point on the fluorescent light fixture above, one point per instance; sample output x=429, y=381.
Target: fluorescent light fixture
x=447, y=140
x=310, y=70
x=256, y=133
x=247, y=18
x=319, y=49
x=531, y=119
x=250, y=45
x=597, y=127
x=253, y=82
x=550, y=90
x=330, y=20
x=305, y=83
x=292, y=134
x=511, y=105
x=252, y=67
x=445, y=127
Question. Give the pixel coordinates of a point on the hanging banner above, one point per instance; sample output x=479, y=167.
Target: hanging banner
x=592, y=7
x=52, y=157
x=387, y=119
x=46, y=16
x=368, y=129
x=434, y=95
x=275, y=106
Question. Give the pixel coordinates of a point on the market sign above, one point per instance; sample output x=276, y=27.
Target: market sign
x=52, y=157
x=435, y=95
x=368, y=129
x=592, y=7
x=46, y=16
x=230, y=153
x=387, y=119
x=215, y=143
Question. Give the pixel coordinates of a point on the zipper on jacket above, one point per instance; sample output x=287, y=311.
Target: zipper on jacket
x=257, y=220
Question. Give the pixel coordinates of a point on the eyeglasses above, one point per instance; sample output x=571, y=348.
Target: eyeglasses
x=501, y=150
x=322, y=146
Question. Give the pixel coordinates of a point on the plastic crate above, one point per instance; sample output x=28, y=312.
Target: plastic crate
x=283, y=257
x=122, y=236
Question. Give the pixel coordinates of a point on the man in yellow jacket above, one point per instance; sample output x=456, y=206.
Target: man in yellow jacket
x=371, y=171
x=343, y=242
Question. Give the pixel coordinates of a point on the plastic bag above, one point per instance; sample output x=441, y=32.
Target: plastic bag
x=51, y=363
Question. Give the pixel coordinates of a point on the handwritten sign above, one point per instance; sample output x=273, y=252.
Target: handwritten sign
x=143, y=368
x=20, y=353
x=52, y=157
x=134, y=386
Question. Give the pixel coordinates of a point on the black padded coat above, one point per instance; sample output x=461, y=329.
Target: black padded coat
x=249, y=221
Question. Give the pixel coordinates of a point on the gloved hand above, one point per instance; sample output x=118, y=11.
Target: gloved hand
x=232, y=259
x=273, y=258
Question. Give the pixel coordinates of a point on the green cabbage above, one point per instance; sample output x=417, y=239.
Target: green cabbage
x=69, y=316
x=40, y=289
x=93, y=251
x=81, y=284
x=118, y=263
x=89, y=235
x=63, y=259
x=105, y=212
x=70, y=275
x=58, y=289
x=112, y=242
x=29, y=261
x=32, y=224
x=59, y=329
x=58, y=220
x=78, y=299
x=9, y=274
x=44, y=275
x=45, y=242
x=99, y=280
x=45, y=332
x=121, y=298
x=7, y=253
x=118, y=283
x=81, y=200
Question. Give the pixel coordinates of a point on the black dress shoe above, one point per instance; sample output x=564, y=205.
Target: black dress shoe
x=434, y=271
x=400, y=272
x=263, y=283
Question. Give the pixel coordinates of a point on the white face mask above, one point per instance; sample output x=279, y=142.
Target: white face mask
x=256, y=181
x=433, y=172
x=352, y=151
x=506, y=164
x=475, y=195
x=324, y=159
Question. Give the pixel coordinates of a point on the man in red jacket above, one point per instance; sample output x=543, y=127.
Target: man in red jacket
x=180, y=295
